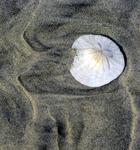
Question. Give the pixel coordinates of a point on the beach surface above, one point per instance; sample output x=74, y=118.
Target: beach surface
x=42, y=107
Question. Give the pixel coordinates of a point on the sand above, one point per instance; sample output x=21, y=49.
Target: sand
x=42, y=107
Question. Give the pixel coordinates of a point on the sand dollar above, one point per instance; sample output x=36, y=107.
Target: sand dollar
x=98, y=60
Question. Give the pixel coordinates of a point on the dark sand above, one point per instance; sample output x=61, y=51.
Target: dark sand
x=41, y=106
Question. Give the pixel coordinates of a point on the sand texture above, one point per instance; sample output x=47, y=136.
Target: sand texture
x=42, y=107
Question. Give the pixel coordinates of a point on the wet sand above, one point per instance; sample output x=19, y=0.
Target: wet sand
x=42, y=107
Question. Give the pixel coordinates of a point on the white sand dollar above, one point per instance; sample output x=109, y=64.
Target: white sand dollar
x=98, y=60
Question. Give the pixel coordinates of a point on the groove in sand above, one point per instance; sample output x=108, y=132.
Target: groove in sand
x=125, y=83
x=28, y=96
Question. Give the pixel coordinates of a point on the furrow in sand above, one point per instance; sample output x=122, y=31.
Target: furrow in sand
x=29, y=97
x=125, y=83
x=23, y=90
